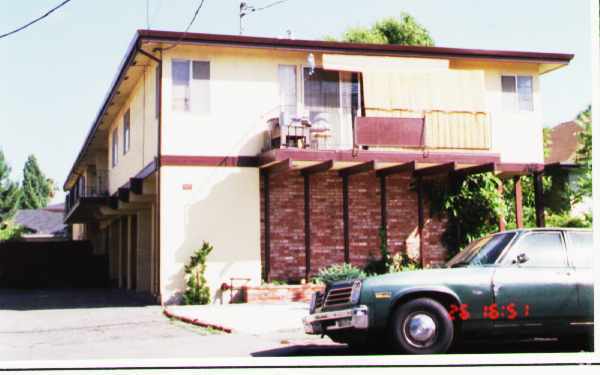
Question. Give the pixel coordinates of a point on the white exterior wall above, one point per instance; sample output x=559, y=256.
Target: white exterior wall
x=222, y=207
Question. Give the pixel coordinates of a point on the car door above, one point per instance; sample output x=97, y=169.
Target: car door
x=535, y=281
x=580, y=246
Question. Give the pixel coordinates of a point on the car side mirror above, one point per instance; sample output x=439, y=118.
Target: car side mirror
x=521, y=258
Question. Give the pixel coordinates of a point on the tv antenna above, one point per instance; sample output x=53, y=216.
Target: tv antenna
x=246, y=9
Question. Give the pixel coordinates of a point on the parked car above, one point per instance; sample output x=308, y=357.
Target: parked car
x=527, y=282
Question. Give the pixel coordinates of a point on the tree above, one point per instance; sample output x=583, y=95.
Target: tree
x=36, y=188
x=584, y=155
x=9, y=192
x=405, y=30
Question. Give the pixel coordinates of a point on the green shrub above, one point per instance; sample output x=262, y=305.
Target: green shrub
x=197, y=291
x=339, y=272
x=567, y=221
x=10, y=231
x=402, y=262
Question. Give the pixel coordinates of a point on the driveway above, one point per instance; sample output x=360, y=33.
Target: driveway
x=107, y=324
x=74, y=324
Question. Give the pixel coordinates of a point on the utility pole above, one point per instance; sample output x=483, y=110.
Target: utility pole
x=245, y=9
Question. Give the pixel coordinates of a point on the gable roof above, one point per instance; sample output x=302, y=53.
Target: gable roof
x=41, y=221
x=564, y=143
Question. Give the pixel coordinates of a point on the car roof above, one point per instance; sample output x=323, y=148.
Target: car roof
x=526, y=230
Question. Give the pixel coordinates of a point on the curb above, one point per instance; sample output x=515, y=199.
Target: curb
x=197, y=322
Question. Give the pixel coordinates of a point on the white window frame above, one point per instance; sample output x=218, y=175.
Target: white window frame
x=126, y=131
x=517, y=107
x=115, y=147
x=191, y=99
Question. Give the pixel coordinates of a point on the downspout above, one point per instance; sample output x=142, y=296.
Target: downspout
x=157, y=164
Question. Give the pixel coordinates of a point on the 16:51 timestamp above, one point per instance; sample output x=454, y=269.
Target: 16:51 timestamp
x=492, y=311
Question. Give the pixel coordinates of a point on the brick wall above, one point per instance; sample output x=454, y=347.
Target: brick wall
x=280, y=293
x=327, y=233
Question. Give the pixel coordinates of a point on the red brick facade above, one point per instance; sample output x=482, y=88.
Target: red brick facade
x=287, y=246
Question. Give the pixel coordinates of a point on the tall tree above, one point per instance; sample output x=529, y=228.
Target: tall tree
x=584, y=154
x=404, y=30
x=9, y=192
x=36, y=188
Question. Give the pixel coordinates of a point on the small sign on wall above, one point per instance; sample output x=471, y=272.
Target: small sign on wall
x=186, y=186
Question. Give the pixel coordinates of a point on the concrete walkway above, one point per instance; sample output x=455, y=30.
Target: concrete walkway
x=247, y=318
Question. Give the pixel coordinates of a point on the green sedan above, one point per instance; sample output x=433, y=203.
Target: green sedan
x=522, y=283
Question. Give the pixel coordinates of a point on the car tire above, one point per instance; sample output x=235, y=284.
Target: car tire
x=421, y=326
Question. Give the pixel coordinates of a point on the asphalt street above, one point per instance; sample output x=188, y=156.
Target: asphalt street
x=112, y=324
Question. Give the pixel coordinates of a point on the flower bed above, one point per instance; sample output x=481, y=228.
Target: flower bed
x=280, y=293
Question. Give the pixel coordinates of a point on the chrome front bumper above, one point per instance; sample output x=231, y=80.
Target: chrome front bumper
x=354, y=318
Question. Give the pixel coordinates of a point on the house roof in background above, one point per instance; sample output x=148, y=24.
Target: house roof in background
x=41, y=221
x=56, y=207
x=564, y=143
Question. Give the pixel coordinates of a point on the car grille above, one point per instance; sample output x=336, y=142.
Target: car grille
x=338, y=296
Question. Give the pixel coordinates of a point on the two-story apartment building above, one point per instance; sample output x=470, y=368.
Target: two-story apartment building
x=290, y=155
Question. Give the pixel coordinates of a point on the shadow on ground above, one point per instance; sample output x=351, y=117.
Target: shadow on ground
x=70, y=298
x=471, y=347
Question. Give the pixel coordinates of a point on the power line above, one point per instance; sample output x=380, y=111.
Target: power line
x=35, y=20
x=187, y=28
x=246, y=9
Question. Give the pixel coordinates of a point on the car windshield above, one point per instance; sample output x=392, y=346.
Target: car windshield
x=484, y=251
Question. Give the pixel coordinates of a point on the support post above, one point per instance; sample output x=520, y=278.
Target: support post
x=501, y=219
x=267, y=268
x=346, y=218
x=307, y=248
x=421, y=216
x=518, y=202
x=540, y=219
x=383, y=191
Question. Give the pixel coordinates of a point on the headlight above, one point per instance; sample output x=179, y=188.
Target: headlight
x=355, y=294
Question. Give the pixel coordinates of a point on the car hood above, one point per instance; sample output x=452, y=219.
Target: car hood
x=430, y=277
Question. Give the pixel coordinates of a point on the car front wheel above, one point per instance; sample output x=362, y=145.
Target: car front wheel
x=422, y=326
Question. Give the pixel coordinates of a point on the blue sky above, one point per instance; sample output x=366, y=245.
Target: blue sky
x=54, y=75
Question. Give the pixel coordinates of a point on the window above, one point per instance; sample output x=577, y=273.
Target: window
x=191, y=86
x=126, y=132
x=484, y=251
x=580, y=249
x=287, y=90
x=115, y=147
x=543, y=249
x=517, y=93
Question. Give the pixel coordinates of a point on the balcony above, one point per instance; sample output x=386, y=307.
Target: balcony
x=86, y=197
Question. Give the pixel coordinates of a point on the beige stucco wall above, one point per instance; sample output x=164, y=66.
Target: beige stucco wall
x=222, y=207
x=143, y=131
x=244, y=93
x=517, y=136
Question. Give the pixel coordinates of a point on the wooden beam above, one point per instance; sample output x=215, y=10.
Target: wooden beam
x=446, y=168
x=307, y=249
x=278, y=167
x=518, y=201
x=421, y=216
x=123, y=194
x=136, y=185
x=317, y=168
x=383, y=204
x=540, y=219
x=267, y=228
x=501, y=219
x=359, y=168
x=346, y=220
x=481, y=168
x=402, y=168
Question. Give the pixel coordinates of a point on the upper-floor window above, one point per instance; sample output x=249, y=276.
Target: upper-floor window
x=517, y=93
x=191, y=86
x=126, y=132
x=115, y=147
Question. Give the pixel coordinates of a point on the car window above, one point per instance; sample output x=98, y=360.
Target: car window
x=580, y=248
x=542, y=249
x=482, y=252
